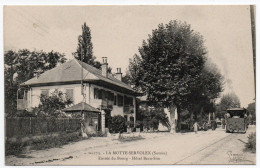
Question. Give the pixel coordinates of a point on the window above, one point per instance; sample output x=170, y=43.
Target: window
x=45, y=92
x=111, y=96
x=128, y=101
x=96, y=93
x=106, y=95
x=99, y=94
x=91, y=122
x=120, y=100
x=115, y=100
x=125, y=116
x=69, y=94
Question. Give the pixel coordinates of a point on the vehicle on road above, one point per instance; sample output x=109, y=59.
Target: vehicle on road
x=236, y=120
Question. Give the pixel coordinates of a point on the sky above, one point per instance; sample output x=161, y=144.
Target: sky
x=118, y=31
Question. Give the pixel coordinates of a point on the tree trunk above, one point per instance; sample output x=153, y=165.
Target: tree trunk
x=179, y=122
x=172, y=121
x=191, y=120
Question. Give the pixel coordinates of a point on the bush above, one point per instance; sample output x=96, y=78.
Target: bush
x=15, y=148
x=130, y=124
x=117, y=124
x=145, y=124
x=138, y=124
x=251, y=144
x=154, y=123
x=52, y=105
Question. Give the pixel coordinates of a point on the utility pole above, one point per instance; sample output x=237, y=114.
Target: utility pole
x=83, y=96
x=252, y=15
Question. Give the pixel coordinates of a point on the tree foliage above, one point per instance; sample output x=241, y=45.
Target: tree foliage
x=170, y=67
x=52, y=105
x=85, y=49
x=126, y=78
x=117, y=124
x=151, y=116
x=251, y=110
x=23, y=65
x=208, y=87
x=85, y=46
x=229, y=100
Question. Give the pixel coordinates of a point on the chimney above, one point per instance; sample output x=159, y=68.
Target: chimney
x=104, y=66
x=119, y=74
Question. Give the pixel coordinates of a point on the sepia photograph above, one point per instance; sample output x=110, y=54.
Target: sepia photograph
x=129, y=85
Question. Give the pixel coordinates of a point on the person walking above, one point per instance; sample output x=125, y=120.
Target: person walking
x=223, y=123
x=195, y=127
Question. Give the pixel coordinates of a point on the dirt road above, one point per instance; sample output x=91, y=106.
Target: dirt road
x=206, y=147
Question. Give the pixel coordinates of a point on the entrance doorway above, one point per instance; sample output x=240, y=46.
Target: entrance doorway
x=107, y=118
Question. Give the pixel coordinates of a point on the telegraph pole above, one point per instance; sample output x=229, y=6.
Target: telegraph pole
x=252, y=15
x=83, y=96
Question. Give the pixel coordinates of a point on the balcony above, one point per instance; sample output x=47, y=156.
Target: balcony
x=21, y=104
x=128, y=109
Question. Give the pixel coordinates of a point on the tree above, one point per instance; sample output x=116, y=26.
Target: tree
x=153, y=115
x=170, y=67
x=126, y=78
x=208, y=87
x=23, y=65
x=251, y=110
x=85, y=49
x=117, y=124
x=53, y=104
x=229, y=100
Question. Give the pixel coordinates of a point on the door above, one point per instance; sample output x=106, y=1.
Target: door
x=107, y=118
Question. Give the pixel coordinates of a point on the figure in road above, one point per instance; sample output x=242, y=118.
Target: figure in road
x=223, y=123
x=195, y=127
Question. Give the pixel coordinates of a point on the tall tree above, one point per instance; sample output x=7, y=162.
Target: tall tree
x=85, y=49
x=23, y=65
x=85, y=46
x=169, y=66
x=208, y=87
x=229, y=100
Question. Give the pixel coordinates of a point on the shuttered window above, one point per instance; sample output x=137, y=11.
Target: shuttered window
x=120, y=100
x=96, y=93
x=115, y=100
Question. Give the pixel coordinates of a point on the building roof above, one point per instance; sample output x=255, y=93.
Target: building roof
x=70, y=72
x=79, y=107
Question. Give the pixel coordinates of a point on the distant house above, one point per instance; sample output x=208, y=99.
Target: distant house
x=102, y=90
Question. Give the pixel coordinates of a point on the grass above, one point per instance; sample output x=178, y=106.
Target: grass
x=251, y=144
x=46, y=142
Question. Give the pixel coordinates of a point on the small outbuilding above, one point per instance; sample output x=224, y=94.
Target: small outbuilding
x=92, y=116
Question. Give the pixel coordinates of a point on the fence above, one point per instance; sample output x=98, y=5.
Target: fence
x=25, y=126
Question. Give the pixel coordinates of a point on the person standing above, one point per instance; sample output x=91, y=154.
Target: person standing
x=195, y=127
x=223, y=123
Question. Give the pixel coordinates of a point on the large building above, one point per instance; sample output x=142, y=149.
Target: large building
x=102, y=90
